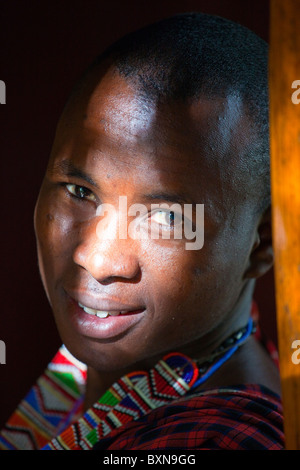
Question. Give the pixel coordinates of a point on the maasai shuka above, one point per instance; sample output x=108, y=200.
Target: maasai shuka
x=243, y=417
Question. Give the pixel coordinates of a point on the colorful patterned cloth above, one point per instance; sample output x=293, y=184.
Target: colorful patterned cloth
x=50, y=406
x=143, y=410
x=243, y=418
x=246, y=417
x=51, y=415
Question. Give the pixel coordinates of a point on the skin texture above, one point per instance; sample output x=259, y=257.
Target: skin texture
x=192, y=300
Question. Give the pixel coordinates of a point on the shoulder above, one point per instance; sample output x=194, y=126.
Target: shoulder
x=239, y=418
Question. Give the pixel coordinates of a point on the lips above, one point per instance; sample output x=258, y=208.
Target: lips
x=102, y=318
x=105, y=313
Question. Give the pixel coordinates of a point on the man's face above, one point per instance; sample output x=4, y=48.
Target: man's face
x=110, y=143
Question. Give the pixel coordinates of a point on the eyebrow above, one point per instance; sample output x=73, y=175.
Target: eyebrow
x=170, y=197
x=69, y=169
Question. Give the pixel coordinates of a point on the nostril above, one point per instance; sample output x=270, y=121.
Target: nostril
x=123, y=279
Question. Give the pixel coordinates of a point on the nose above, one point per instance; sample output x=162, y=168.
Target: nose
x=106, y=257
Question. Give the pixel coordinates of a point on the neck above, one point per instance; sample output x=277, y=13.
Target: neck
x=98, y=382
x=235, y=319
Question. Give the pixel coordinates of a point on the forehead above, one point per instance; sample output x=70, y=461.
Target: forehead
x=195, y=145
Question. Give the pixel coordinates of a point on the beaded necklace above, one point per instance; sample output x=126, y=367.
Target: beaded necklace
x=138, y=393
x=207, y=367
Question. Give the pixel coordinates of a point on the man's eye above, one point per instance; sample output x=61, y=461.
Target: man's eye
x=80, y=192
x=166, y=218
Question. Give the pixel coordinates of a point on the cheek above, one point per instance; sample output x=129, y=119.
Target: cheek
x=170, y=275
x=53, y=231
x=195, y=289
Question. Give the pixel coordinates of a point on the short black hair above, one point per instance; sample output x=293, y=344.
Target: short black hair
x=193, y=54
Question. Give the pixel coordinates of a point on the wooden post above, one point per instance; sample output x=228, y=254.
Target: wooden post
x=285, y=180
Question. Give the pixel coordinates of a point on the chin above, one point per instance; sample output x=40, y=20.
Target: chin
x=102, y=358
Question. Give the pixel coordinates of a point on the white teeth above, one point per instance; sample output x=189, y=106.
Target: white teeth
x=101, y=314
x=90, y=310
x=98, y=313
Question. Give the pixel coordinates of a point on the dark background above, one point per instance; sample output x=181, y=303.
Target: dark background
x=44, y=46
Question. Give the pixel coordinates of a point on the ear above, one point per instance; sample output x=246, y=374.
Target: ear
x=262, y=255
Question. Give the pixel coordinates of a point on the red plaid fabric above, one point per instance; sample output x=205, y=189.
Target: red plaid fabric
x=243, y=418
